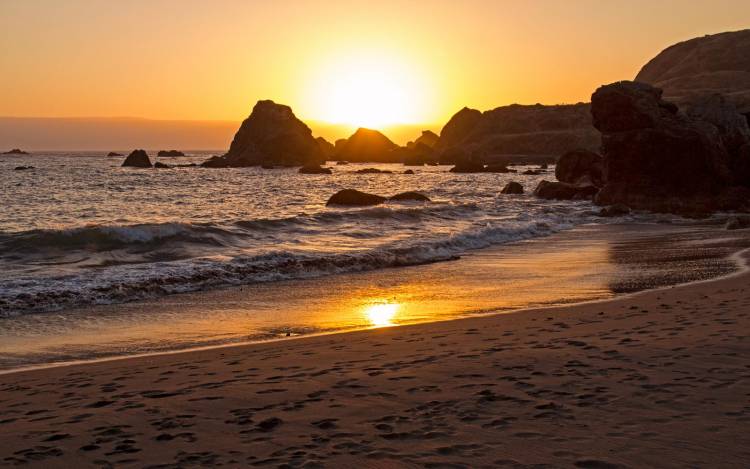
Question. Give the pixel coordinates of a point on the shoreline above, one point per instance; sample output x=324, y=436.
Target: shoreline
x=592, y=263
x=655, y=378
x=740, y=257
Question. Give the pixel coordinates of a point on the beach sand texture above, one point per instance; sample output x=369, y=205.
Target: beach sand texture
x=657, y=379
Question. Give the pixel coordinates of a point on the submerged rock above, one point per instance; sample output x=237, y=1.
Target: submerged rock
x=170, y=153
x=314, y=169
x=373, y=171
x=409, y=171
x=22, y=168
x=160, y=165
x=512, y=188
x=498, y=168
x=564, y=191
x=415, y=196
x=352, y=197
x=137, y=159
x=468, y=167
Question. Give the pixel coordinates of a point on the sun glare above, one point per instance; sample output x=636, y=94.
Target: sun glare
x=368, y=90
x=381, y=315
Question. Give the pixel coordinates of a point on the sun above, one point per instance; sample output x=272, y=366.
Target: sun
x=368, y=89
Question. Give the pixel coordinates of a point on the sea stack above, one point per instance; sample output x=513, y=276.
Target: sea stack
x=137, y=159
x=272, y=136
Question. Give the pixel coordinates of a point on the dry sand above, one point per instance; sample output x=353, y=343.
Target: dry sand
x=657, y=379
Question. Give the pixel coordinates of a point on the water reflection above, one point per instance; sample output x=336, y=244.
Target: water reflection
x=382, y=314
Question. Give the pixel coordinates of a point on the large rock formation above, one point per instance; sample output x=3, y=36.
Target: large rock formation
x=367, y=145
x=272, y=135
x=517, y=130
x=658, y=158
x=704, y=65
x=137, y=159
x=326, y=148
x=580, y=167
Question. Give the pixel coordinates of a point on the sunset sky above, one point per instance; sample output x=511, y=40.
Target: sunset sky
x=358, y=63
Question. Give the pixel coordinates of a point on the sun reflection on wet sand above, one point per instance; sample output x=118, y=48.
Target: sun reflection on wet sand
x=382, y=314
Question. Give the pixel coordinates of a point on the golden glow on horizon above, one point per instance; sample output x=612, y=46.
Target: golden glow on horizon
x=382, y=314
x=369, y=88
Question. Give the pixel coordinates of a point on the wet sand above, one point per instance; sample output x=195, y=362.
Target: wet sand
x=655, y=379
x=590, y=262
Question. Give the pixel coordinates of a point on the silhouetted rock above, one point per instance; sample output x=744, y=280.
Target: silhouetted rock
x=428, y=138
x=160, y=165
x=373, y=171
x=413, y=196
x=458, y=128
x=564, y=191
x=137, y=159
x=616, y=210
x=16, y=151
x=326, y=148
x=656, y=158
x=498, y=168
x=468, y=167
x=272, y=135
x=733, y=129
x=353, y=197
x=409, y=171
x=314, y=169
x=580, y=166
x=517, y=130
x=367, y=145
x=112, y=153
x=418, y=154
x=718, y=63
x=22, y=168
x=170, y=153
x=512, y=188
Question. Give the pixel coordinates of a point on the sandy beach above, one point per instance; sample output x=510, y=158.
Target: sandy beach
x=656, y=379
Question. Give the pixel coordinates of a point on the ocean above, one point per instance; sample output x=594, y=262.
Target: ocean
x=78, y=229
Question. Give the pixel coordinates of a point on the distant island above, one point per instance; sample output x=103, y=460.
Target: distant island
x=15, y=151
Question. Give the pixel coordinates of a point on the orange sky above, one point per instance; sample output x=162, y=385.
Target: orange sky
x=183, y=59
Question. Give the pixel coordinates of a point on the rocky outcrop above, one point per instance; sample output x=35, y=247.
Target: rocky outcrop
x=428, y=138
x=458, y=128
x=137, y=159
x=15, y=151
x=564, y=191
x=314, y=169
x=512, y=188
x=517, y=130
x=271, y=135
x=351, y=197
x=659, y=159
x=410, y=196
x=418, y=154
x=326, y=148
x=170, y=153
x=580, y=167
x=367, y=145
x=718, y=63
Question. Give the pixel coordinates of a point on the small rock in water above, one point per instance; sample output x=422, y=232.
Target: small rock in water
x=22, y=168
x=314, y=169
x=512, y=188
x=353, y=197
x=411, y=195
x=615, y=210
